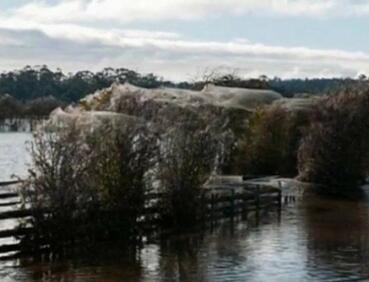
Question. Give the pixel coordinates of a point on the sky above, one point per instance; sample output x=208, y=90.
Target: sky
x=183, y=39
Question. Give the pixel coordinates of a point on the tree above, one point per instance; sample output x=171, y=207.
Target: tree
x=335, y=151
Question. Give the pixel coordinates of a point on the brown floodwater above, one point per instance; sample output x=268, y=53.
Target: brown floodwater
x=315, y=238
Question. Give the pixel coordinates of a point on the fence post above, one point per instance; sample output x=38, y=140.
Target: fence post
x=257, y=202
x=244, y=205
x=232, y=203
x=203, y=207
x=279, y=205
x=212, y=204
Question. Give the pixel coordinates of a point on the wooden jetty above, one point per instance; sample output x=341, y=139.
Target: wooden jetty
x=219, y=200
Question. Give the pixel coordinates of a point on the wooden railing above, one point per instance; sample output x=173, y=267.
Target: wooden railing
x=217, y=202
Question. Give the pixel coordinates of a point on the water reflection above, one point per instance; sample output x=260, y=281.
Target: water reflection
x=317, y=239
x=337, y=236
x=181, y=259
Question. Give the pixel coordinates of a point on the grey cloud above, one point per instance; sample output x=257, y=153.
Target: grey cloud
x=170, y=61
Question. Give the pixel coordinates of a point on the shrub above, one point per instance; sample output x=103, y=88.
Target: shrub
x=42, y=107
x=120, y=174
x=87, y=185
x=10, y=107
x=272, y=141
x=187, y=160
x=90, y=183
x=335, y=151
x=57, y=189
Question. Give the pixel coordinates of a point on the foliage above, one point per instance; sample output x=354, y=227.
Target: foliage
x=31, y=83
x=10, y=107
x=272, y=141
x=40, y=107
x=86, y=185
x=313, y=86
x=187, y=160
x=335, y=152
x=121, y=176
x=32, y=87
x=230, y=80
x=95, y=180
x=58, y=181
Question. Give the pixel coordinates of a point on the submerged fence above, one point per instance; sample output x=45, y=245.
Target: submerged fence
x=217, y=202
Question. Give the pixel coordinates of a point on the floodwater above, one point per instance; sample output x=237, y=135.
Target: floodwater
x=315, y=238
x=13, y=154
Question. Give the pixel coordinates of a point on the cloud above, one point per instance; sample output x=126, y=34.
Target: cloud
x=90, y=34
x=74, y=47
x=148, y=10
x=10, y=41
x=159, y=41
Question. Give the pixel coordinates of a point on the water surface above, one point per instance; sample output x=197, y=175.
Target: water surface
x=13, y=154
x=316, y=238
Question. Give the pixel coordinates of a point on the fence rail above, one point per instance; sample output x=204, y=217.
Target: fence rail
x=217, y=202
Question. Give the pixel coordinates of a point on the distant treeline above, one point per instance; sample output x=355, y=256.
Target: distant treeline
x=314, y=86
x=11, y=107
x=32, y=83
x=32, y=87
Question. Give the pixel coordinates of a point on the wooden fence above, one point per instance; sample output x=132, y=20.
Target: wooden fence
x=217, y=202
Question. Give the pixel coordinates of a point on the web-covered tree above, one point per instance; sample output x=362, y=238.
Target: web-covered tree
x=335, y=152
